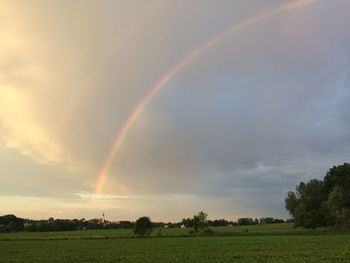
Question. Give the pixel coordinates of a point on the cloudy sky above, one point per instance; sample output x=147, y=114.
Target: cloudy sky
x=230, y=133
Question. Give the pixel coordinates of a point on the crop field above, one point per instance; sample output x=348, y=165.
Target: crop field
x=318, y=248
x=260, y=243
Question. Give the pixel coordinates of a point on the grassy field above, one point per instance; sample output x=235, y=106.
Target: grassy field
x=265, y=243
x=268, y=229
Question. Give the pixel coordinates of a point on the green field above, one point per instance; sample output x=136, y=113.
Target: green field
x=268, y=229
x=264, y=243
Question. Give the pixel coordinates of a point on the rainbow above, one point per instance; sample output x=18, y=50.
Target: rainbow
x=154, y=89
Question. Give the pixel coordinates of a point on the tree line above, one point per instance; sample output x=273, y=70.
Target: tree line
x=11, y=223
x=200, y=224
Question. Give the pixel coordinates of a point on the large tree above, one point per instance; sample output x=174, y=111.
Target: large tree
x=322, y=203
x=200, y=222
x=339, y=176
x=11, y=223
x=339, y=210
x=143, y=226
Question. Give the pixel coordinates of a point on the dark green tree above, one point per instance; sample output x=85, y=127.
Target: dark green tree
x=340, y=213
x=143, y=226
x=322, y=203
x=305, y=204
x=339, y=176
x=11, y=223
x=292, y=202
x=200, y=223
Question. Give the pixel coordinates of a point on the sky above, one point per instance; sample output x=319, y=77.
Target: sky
x=229, y=132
